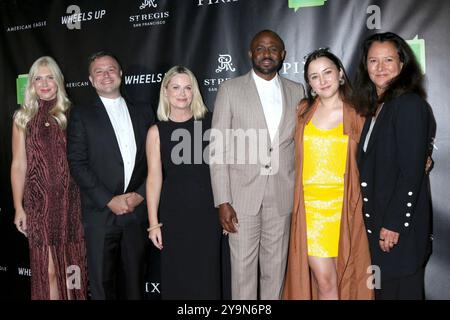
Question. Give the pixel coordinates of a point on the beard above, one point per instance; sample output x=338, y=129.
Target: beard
x=266, y=70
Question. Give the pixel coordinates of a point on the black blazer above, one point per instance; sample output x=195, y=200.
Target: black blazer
x=394, y=185
x=96, y=163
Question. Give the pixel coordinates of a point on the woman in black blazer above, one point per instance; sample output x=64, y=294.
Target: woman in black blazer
x=393, y=151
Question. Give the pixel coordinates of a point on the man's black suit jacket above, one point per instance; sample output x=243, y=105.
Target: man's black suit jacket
x=96, y=163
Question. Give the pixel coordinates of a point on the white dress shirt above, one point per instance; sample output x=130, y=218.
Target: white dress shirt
x=123, y=128
x=271, y=100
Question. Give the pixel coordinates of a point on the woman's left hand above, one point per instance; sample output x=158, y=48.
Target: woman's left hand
x=388, y=239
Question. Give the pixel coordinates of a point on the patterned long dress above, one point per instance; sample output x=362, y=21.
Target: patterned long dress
x=52, y=205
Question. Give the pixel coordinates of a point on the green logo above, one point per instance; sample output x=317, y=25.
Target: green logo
x=297, y=4
x=418, y=47
x=21, y=83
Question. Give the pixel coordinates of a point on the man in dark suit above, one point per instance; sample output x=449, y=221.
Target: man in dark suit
x=106, y=153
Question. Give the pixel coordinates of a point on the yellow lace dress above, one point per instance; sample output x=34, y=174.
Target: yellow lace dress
x=324, y=160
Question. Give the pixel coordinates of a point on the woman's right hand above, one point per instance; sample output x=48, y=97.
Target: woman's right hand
x=429, y=165
x=156, y=237
x=20, y=220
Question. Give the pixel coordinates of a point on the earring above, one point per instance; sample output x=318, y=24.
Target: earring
x=313, y=93
x=341, y=81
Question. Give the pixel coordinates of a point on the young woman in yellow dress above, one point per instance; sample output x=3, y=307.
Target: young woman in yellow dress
x=328, y=251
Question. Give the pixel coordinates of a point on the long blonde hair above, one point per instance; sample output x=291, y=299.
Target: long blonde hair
x=197, y=106
x=30, y=105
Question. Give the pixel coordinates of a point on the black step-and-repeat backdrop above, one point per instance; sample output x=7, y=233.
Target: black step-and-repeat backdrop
x=212, y=38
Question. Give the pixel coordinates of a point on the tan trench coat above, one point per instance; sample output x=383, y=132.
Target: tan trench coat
x=354, y=257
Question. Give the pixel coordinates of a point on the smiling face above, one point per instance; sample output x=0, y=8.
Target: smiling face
x=179, y=91
x=105, y=76
x=323, y=77
x=383, y=64
x=267, y=54
x=44, y=84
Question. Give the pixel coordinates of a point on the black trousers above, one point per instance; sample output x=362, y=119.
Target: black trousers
x=406, y=288
x=117, y=261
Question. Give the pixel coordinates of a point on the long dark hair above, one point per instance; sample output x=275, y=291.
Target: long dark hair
x=345, y=90
x=409, y=80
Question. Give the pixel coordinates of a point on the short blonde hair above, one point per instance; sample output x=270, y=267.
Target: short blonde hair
x=30, y=105
x=197, y=105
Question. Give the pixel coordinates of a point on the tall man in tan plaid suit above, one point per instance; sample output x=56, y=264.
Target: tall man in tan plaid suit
x=252, y=168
